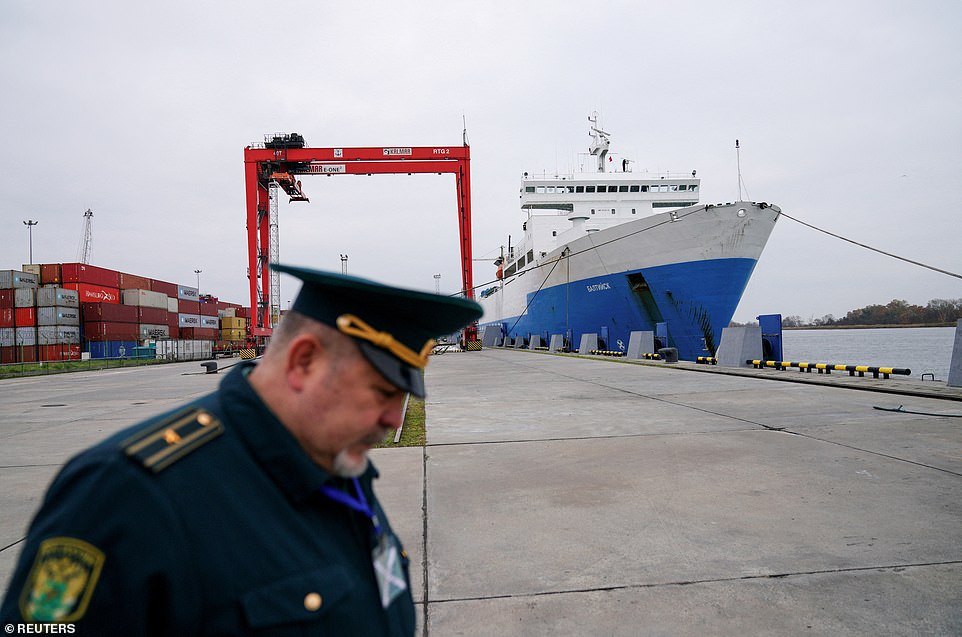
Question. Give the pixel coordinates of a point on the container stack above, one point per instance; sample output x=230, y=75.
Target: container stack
x=56, y=311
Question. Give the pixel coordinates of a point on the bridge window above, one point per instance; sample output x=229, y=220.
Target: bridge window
x=589, y=188
x=644, y=189
x=622, y=188
x=540, y=190
x=529, y=188
x=579, y=188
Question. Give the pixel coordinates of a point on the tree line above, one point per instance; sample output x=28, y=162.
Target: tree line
x=895, y=312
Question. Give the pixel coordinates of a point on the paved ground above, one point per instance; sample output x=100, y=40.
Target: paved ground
x=568, y=496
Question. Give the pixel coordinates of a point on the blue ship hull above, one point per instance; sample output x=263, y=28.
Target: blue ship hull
x=694, y=299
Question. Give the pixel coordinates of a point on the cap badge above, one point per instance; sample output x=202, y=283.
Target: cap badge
x=353, y=326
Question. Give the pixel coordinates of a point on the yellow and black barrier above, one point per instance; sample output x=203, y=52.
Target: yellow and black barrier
x=828, y=368
x=606, y=352
x=651, y=357
x=706, y=360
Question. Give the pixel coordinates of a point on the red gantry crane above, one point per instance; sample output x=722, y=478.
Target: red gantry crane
x=283, y=158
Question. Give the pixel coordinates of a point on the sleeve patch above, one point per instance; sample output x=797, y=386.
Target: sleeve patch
x=169, y=440
x=61, y=581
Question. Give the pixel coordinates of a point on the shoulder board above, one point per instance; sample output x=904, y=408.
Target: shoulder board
x=173, y=437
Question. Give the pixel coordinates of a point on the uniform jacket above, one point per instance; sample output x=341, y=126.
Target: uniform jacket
x=218, y=528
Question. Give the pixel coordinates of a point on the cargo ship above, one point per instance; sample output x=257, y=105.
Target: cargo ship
x=610, y=251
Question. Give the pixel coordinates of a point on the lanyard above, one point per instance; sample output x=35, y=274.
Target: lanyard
x=358, y=503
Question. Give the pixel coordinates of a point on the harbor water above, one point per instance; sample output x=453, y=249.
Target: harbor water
x=924, y=350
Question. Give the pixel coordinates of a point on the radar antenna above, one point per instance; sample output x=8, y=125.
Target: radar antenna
x=599, y=142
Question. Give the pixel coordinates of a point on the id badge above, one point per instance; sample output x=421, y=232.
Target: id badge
x=388, y=569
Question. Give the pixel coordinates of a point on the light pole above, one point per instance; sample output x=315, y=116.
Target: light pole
x=343, y=264
x=197, y=272
x=30, y=223
x=437, y=284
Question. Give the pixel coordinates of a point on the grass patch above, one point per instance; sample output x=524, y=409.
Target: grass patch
x=413, y=433
x=14, y=370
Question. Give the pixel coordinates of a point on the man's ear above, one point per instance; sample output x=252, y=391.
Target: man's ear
x=304, y=357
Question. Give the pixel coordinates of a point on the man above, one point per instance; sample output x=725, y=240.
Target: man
x=251, y=510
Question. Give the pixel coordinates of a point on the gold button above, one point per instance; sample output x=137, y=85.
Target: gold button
x=312, y=601
x=204, y=419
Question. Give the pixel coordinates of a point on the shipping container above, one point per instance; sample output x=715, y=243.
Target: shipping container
x=187, y=293
x=6, y=298
x=228, y=323
x=173, y=305
x=184, y=349
x=103, y=331
x=17, y=279
x=25, y=297
x=85, y=273
x=233, y=335
x=144, y=298
x=25, y=316
x=50, y=274
x=58, y=352
x=111, y=349
x=188, y=320
x=188, y=307
x=32, y=268
x=26, y=354
x=148, y=330
x=58, y=315
x=49, y=296
x=7, y=337
x=229, y=312
x=163, y=286
x=6, y=317
x=108, y=312
x=199, y=333
x=56, y=334
x=210, y=322
x=244, y=312
x=152, y=315
x=90, y=293
x=133, y=282
x=207, y=309
x=8, y=354
x=25, y=336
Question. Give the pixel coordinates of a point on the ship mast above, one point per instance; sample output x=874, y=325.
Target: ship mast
x=599, y=142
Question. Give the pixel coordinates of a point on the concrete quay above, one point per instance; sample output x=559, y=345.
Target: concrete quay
x=561, y=495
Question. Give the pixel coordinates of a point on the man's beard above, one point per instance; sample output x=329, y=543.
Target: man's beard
x=347, y=467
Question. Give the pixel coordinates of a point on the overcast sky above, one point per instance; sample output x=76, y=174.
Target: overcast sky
x=849, y=116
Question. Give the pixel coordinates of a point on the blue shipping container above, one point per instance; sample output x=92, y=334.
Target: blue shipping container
x=112, y=349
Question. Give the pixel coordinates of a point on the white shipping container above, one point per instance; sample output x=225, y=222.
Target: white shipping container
x=17, y=279
x=58, y=315
x=188, y=293
x=50, y=296
x=25, y=297
x=150, y=330
x=7, y=336
x=172, y=305
x=144, y=298
x=210, y=321
x=57, y=334
x=25, y=336
x=32, y=268
x=188, y=320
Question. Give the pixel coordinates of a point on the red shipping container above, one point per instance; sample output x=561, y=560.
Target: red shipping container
x=26, y=354
x=188, y=307
x=94, y=293
x=84, y=273
x=50, y=274
x=133, y=282
x=208, y=309
x=199, y=333
x=6, y=298
x=151, y=315
x=170, y=289
x=62, y=352
x=25, y=316
x=8, y=355
x=101, y=331
x=6, y=317
x=109, y=312
x=243, y=312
